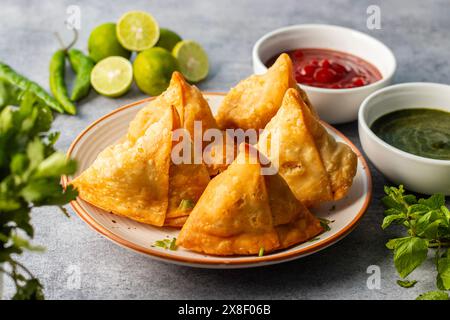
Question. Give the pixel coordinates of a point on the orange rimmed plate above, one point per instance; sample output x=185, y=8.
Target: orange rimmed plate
x=344, y=214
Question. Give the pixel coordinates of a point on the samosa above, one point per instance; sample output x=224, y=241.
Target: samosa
x=192, y=108
x=254, y=101
x=251, y=212
x=137, y=178
x=315, y=166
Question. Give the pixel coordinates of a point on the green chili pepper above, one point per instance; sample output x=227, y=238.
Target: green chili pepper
x=82, y=65
x=22, y=84
x=57, y=83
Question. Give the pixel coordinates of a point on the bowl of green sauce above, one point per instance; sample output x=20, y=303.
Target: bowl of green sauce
x=405, y=131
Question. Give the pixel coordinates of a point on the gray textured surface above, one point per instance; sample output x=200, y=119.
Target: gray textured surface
x=417, y=32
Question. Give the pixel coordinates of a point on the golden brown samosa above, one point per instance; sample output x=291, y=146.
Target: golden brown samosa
x=315, y=166
x=189, y=102
x=191, y=107
x=255, y=100
x=131, y=178
x=136, y=177
x=250, y=212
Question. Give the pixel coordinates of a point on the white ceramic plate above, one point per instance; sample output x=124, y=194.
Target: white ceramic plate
x=345, y=213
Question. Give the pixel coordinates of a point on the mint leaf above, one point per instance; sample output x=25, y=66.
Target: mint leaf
x=443, y=277
x=398, y=218
x=434, y=202
x=393, y=242
x=406, y=283
x=409, y=253
x=434, y=295
x=30, y=173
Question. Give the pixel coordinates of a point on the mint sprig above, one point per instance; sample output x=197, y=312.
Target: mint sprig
x=427, y=224
x=30, y=173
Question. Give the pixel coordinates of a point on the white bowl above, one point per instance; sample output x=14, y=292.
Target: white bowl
x=416, y=173
x=333, y=105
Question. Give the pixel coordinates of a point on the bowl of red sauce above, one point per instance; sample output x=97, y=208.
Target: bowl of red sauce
x=338, y=67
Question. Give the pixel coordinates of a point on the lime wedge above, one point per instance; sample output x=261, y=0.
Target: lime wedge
x=137, y=31
x=192, y=60
x=112, y=76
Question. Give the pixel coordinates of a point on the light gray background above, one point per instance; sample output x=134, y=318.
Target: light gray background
x=417, y=32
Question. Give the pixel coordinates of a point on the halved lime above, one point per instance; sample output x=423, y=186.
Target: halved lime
x=137, y=31
x=112, y=76
x=192, y=60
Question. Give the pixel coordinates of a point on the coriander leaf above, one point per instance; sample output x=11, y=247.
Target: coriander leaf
x=406, y=283
x=173, y=244
x=409, y=253
x=186, y=204
x=434, y=295
x=325, y=224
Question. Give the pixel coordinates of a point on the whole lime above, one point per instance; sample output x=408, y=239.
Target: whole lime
x=153, y=69
x=167, y=39
x=103, y=43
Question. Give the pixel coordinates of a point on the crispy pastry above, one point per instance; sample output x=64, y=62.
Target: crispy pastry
x=315, y=166
x=136, y=177
x=255, y=100
x=250, y=212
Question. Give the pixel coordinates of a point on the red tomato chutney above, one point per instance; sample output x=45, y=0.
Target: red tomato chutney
x=331, y=69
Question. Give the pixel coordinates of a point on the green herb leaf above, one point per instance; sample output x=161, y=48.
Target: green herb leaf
x=167, y=244
x=261, y=252
x=434, y=295
x=30, y=172
x=434, y=202
x=325, y=224
x=388, y=220
x=409, y=253
x=406, y=283
x=173, y=244
x=443, y=276
x=428, y=225
x=186, y=204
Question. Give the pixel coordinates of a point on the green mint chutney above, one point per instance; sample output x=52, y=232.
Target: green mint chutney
x=423, y=132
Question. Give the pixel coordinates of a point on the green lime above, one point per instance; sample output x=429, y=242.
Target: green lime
x=112, y=76
x=153, y=69
x=103, y=43
x=167, y=39
x=192, y=60
x=137, y=30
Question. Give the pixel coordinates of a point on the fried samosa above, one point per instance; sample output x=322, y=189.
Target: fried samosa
x=131, y=178
x=250, y=212
x=136, y=177
x=315, y=166
x=193, y=110
x=255, y=100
